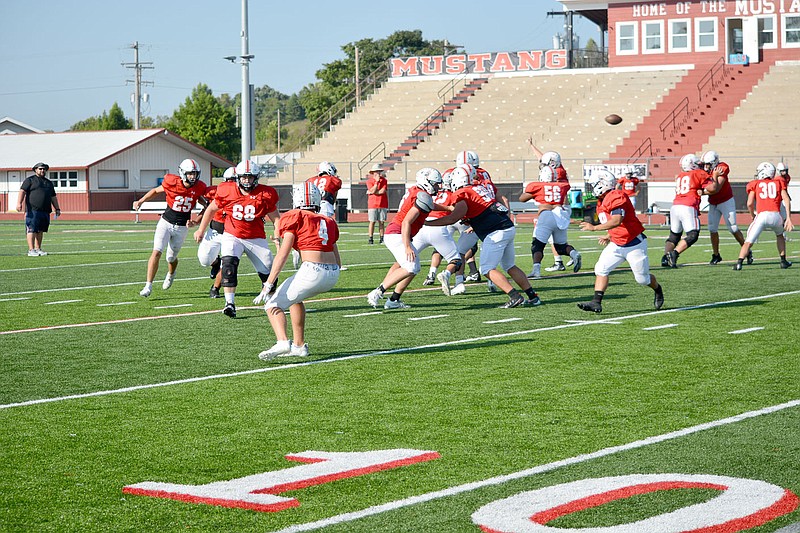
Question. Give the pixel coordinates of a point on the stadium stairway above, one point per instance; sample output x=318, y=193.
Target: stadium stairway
x=690, y=114
x=429, y=126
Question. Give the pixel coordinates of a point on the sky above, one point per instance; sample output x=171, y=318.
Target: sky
x=61, y=61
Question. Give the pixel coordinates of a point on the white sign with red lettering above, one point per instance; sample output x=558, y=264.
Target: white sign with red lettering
x=742, y=504
x=259, y=492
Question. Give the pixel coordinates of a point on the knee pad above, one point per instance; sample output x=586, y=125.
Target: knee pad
x=674, y=238
x=457, y=263
x=230, y=270
x=171, y=256
x=733, y=229
x=561, y=249
x=692, y=236
x=537, y=246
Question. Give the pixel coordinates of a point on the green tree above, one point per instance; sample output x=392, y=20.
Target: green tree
x=203, y=120
x=114, y=119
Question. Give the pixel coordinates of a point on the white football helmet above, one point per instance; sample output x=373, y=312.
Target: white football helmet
x=429, y=180
x=710, y=160
x=690, y=162
x=765, y=171
x=306, y=196
x=470, y=170
x=468, y=157
x=780, y=167
x=547, y=174
x=447, y=180
x=327, y=169
x=460, y=177
x=602, y=181
x=628, y=171
x=187, y=167
x=550, y=159
x=229, y=174
x=247, y=174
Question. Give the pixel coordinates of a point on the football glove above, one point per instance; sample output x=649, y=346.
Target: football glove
x=266, y=290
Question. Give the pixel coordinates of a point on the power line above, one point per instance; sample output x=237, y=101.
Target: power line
x=137, y=95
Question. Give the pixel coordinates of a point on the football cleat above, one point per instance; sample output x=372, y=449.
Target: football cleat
x=559, y=266
x=460, y=288
x=665, y=261
x=167, y=282
x=513, y=302
x=229, y=310
x=672, y=257
x=395, y=304
x=374, y=297
x=371, y=241
x=145, y=292
x=715, y=259
x=430, y=280
x=532, y=302
x=750, y=257
x=785, y=263
x=592, y=306
x=40, y=252
x=444, y=279
x=658, y=298
x=474, y=277
x=491, y=287
x=214, y=292
x=33, y=253
x=381, y=240
x=738, y=265
x=569, y=263
x=536, y=274
x=299, y=351
x=577, y=266
x=280, y=348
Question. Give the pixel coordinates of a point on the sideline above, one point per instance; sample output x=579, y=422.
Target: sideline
x=375, y=353
x=498, y=480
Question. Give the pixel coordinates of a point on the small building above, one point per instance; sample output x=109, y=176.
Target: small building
x=11, y=126
x=695, y=32
x=98, y=170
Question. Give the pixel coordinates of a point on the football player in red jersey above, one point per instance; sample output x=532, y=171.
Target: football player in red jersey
x=783, y=175
x=492, y=224
x=400, y=232
x=720, y=203
x=684, y=213
x=554, y=218
x=629, y=184
x=625, y=240
x=246, y=204
x=765, y=195
x=208, y=251
x=328, y=182
x=314, y=235
x=182, y=192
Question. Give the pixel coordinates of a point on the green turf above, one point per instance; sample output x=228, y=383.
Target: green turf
x=492, y=399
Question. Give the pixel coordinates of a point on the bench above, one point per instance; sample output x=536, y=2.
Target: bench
x=658, y=208
x=156, y=207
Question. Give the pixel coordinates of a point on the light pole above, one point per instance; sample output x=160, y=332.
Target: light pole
x=246, y=96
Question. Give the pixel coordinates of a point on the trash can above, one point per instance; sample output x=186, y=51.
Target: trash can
x=341, y=210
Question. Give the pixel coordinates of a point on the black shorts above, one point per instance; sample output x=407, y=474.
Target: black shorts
x=37, y=221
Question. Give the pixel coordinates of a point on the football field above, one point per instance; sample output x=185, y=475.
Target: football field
x=122, y=413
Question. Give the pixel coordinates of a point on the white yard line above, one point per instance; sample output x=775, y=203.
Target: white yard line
x=502, y=321
x=665, y=326
x=62, y=302
x=352, y=357
x=431, y=317
x=748, y=330
x=499, y=480
x=77, y=267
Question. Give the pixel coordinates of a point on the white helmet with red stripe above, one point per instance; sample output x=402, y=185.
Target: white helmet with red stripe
x=468, y=157
x=229, y=174
x=247, y=174
x=327, y=169
x=472, y=174
x=429, y=180
x=690, y=162
x=710, y=160
x=765, y=171
x=189, y=166
x=460, y=177
x=550, y=159
x=602, y=181
x=306, y=196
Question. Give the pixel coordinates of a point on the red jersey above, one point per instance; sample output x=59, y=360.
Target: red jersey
x=210, y=194
x=551, y=193
x=377, y=201
x=442, y=198
x=628, y=185
x=726, y=192
x=561, y=174
x=484, y=213
x=617, y=202
x=244, y=213
x=180, y=199
x=408, y=201
x=312, y=231
x=768, y=194
x=328, y=185
x=688, y=186
x=785, y=178
x=483, y=178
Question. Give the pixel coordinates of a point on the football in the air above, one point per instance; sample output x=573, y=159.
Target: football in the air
x=613, y=119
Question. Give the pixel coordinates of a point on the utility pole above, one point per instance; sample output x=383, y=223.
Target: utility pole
x=247, y=93
x=568, y=26
x=279, y=130
x=358, y=82
x=138, y=66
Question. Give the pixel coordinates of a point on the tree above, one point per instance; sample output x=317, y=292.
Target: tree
x=203, y=120
x=114, y=119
